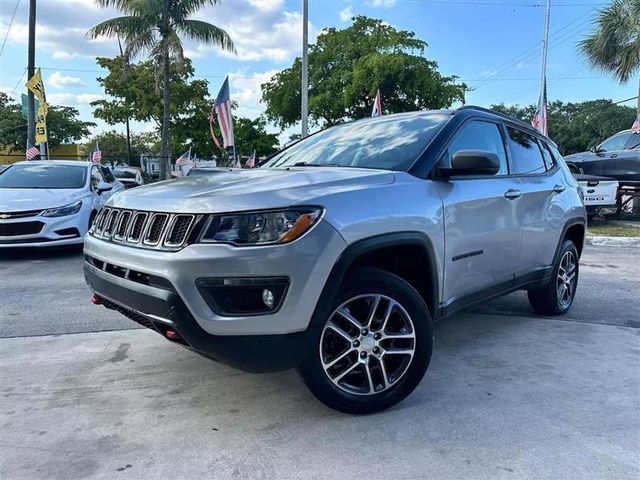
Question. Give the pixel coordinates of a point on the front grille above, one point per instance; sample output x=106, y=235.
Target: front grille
x=20, y=228
x=157, y=230
x=158, y=222
x=22, y=214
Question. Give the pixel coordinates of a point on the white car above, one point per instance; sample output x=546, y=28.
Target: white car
x=51, y=202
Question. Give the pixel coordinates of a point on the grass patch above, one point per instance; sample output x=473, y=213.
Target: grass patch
x=614, y=230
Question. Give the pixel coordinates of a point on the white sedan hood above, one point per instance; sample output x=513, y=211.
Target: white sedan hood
x=20, y=199
x=238, y=190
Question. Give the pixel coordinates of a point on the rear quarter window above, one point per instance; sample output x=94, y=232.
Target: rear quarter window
x=525, y=151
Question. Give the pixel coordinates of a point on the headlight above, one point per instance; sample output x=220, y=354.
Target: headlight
x=259, y=228
x=63, y=211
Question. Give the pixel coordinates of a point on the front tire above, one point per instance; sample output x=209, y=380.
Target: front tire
x=374, y=347
x=556, y=296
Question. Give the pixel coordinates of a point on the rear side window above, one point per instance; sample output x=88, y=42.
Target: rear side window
x=525, y=152
x=477, y=135
x=634, y=142
x=549, y=161
x=108, y=176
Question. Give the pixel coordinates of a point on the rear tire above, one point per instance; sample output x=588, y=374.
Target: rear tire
x=556, y=296
x=375, y=346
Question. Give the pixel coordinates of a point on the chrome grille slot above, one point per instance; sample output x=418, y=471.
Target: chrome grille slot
x=179, y=229
x=137, y=227
x=110, y=224
x=123, y=223
x=155, y=228
x=101, y=220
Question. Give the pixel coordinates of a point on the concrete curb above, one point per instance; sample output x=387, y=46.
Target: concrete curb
x=613, y=241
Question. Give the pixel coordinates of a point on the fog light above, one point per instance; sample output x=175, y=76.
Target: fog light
x=268, y=298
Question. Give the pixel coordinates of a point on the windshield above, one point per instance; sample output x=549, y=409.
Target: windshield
x=385, y=143
x=43, y=176
x=124, y=173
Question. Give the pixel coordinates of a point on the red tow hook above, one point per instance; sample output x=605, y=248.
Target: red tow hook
x=95, y=300
x=172, y=334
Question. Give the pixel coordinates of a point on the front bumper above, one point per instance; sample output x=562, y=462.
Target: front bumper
x=162, y=309
x=39, y=231
x=306, y=262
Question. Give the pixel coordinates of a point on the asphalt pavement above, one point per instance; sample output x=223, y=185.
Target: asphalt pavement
x=508, y=395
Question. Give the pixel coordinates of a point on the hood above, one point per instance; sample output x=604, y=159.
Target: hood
x=237, y=190
x=19, y=199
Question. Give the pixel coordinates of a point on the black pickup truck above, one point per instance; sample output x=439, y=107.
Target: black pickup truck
x=617, y=157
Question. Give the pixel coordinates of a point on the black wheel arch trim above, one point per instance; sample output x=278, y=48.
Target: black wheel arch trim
x=371, y=244
x=568, y=224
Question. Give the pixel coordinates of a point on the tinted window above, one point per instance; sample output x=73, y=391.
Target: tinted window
x=476, y=135
x=124, y=173
x=386, y=142
x=96, y=177
x=617, y=142
x=43, y=176
x=549, y=160
x=525, y=152
x=634, y=142
x=108, y=176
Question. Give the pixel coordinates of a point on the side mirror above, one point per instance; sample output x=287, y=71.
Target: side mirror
x=103, y=187
x=472, y=162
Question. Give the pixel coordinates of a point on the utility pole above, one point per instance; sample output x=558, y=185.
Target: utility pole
x=305, y=68
x=31, y=110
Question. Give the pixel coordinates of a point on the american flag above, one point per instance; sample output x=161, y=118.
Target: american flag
x=377, y=105
x=251, y=162
x=32, y=152
x=539, y=120
x=96, y=156
x=222, y=106
x=212, y=115
x=635, y=128
x=184, y=159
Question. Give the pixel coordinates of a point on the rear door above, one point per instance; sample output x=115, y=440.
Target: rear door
x=624, y=165
x=542, y=185
x=481, y=220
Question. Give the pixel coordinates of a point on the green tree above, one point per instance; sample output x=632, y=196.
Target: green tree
x=62, y=124
x=251, y=135
x=347, y=66
x=614, y=46
x=155, y=27
x=576, y=127
x=113, y=145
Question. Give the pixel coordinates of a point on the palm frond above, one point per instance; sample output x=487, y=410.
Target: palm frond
x=205, y=32
x=139, y=44
x=126, y=27
x=185, y=8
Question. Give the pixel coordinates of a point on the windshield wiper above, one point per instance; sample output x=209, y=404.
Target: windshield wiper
x=305, y=164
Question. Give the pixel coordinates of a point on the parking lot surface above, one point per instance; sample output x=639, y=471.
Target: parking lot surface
x=508, y=394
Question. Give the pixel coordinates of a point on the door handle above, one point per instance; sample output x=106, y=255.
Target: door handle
x=558, y=188
x=512, y=194
x=613, y=155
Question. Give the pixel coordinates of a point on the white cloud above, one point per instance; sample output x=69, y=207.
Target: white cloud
x=267, y=5
x=381, y=3
x=58, y=80
x=346, y=14
x=245, y=89
x=72, y=100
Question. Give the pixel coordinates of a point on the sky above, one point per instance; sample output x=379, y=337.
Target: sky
x=492, y=45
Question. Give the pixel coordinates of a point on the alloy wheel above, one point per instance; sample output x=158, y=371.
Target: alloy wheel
x=566, y=281
x=367, y=344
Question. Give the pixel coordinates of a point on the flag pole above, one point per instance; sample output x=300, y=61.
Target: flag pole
x=545, y=44
x=304, y=116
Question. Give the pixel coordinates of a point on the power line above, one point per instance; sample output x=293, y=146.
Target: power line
x=24, y=72
x=4, y=42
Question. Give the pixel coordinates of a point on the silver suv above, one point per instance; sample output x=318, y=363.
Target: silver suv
x=338, y=254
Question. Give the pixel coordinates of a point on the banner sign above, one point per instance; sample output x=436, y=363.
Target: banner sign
x=36, y=85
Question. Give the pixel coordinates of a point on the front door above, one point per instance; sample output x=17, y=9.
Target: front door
x=481, y=220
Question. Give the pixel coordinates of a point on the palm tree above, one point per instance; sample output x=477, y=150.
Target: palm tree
x=155, y=27
x=614, y=47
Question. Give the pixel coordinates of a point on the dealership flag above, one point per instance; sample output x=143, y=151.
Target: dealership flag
x=184, y=159
x=32, y=152
x=635, y=128
x=377, y=105
x=539, y=120
x=222, y=107
x=212, y=115
x=96, y=156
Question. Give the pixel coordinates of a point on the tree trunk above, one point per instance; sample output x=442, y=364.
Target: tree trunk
x=165, y=161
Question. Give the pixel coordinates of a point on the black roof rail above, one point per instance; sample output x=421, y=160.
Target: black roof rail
x=501, y=115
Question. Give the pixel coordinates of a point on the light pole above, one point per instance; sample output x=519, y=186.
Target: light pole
x=31, y=60
x=305, y=69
